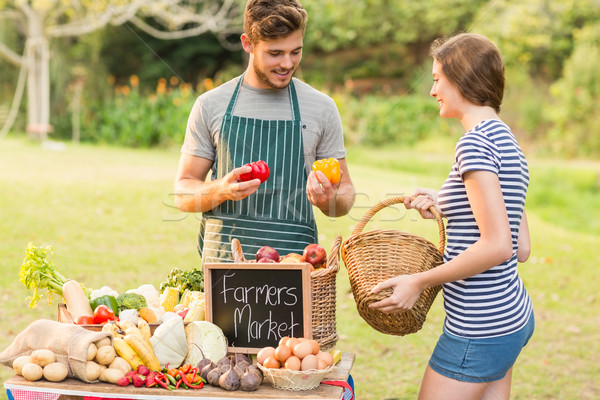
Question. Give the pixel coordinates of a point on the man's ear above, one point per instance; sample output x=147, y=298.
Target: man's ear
x=246, y=43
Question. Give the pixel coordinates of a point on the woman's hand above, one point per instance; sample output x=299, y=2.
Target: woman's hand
x=422, y=200
x=406, y=291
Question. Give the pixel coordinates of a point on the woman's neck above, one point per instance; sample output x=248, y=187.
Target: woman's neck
x=475, y=114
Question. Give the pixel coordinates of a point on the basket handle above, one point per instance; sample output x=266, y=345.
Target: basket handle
x=335, y=253
x=395, y=200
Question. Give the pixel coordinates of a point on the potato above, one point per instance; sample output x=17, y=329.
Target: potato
x=19, y=362
x=55, y=372
x=92, y=371
x=111, y=375
x=43, y=357
x=32, y=372
x=103, y=342
x=120, y=363
x=91, y=353
x=105, y=355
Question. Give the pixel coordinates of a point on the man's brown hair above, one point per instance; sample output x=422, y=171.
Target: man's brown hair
x=273, y=19
x=474, y=65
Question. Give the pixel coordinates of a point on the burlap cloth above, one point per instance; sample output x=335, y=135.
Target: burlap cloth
x=69, y=342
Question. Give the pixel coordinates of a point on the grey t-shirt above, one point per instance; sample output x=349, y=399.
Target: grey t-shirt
x=321, y=123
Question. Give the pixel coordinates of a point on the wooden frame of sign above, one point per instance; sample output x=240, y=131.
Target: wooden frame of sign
x=255, y=304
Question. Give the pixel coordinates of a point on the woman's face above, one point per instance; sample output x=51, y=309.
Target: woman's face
x=451, y=103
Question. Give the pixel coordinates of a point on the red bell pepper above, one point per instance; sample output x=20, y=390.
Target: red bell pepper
x=260, y=170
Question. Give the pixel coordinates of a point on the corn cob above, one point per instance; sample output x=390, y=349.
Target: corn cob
x=189, y=296
x=127, y=353
x=143, y=350
x=169, y=298
x=196, y=312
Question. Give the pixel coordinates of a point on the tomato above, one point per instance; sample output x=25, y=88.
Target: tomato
x=330, y=167
x=84, y=320
x=260, y=170
x=103, y=314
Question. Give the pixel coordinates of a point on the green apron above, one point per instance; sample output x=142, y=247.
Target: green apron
x=278, y=214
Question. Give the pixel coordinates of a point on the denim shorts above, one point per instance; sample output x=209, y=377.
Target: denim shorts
x=479, y=360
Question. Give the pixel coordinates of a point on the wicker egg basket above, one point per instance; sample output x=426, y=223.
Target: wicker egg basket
x=375, y=256
x=286, y=379
x=323, y=294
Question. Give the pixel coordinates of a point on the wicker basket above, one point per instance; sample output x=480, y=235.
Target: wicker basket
x=323, y=294
x=372, y=257
x=286, y=379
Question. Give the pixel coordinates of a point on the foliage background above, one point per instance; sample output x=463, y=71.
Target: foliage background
x=371, y=57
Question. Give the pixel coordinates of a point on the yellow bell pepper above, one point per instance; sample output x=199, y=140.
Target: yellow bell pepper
x=330, y=167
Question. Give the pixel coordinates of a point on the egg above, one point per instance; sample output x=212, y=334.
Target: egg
x=293, y=363
x=315, y=346
x=292, y=342
x=284, y=340
x=282, y=352
x=309, y=362
x=264, y=353
x=321, y=364
x=326, y=357
x=303, y=349
x=271, y=362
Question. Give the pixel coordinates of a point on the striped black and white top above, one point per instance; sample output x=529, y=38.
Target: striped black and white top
x=495, y=302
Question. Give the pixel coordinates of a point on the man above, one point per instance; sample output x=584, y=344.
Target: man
x=264, y=114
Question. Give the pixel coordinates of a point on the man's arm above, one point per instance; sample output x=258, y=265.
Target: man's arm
x=193, y=193
x=333, y=200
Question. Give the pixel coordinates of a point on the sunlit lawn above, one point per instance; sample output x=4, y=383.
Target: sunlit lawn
x=109, y=215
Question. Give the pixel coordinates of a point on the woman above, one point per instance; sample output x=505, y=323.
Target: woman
x=489, y=315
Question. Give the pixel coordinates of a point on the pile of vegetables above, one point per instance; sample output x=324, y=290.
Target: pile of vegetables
x=192, y=280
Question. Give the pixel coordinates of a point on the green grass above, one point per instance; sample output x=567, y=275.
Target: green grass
x=109, y=214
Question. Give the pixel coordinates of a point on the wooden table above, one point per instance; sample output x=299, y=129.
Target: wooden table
x=73, y=389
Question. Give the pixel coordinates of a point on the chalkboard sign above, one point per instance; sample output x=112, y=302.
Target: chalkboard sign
x=256, y=304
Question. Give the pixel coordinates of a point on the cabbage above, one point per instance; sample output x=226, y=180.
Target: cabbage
x=169, y=342
x=205, y=340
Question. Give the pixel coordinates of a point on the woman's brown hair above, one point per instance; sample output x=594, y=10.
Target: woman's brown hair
x=474, y=65
x=273, y=19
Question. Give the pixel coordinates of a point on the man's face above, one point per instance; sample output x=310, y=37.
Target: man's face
x=275, y=61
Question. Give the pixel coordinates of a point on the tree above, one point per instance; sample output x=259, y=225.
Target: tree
x=40, y=21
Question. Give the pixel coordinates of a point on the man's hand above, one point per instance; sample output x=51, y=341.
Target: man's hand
x=333, y=200
x=193, y=193
x=319, y=190
x=231, y=188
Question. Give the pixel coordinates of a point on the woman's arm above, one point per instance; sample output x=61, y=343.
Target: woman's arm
x=523, y=242
x=493, y=247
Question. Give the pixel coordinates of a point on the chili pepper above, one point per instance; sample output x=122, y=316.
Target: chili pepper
x=162, y=380
x=171, y=379
x=190, y=384
x=260, y=170
x=330, y=167
x=173, y=372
